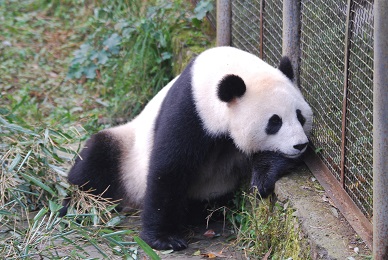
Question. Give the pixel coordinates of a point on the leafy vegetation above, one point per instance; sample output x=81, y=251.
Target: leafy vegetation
x=63, y=64
x=132, y=48
x=267, y=230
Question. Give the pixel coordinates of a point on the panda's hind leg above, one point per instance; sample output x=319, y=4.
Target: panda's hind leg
x=96, y=168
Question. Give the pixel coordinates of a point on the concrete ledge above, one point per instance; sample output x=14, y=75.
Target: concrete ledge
x=328, y=233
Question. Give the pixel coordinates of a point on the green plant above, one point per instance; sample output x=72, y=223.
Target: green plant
x=201, y=10
x=131, y=56
x=266, y=228
x=32, y=185
x=44, y=116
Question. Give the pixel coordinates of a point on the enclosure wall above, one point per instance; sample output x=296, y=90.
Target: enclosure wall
x=380, y=133
x=331, y=43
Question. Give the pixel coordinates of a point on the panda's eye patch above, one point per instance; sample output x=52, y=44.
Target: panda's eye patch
x=300, y=117
x=274, y=124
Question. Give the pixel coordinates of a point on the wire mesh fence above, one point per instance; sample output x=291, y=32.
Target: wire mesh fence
x=253, y=19
x=246, y=26
x=322, y=74
x=359, y=107
x=336, y=77
x=272, y=31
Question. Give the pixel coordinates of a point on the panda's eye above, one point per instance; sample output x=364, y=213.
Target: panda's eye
x=300, y=117
x=274, y=124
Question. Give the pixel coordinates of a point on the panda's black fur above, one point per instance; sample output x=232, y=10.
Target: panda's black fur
x=97, y=166
x=178, y=137
x=184, y=154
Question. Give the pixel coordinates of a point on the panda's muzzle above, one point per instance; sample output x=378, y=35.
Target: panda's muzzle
x=300, y=147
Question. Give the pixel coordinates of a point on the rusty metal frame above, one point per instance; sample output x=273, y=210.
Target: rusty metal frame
x=348, y=36
x=349, y=19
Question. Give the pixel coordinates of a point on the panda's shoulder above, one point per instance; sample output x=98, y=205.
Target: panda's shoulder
x=178, y=109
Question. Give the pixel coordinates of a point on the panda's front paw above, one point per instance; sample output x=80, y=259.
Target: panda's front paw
x=262, y=191
x=174, y=242
x=263, y=185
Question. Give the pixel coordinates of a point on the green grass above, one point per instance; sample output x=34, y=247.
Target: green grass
x=54, y=93
x=267, y=229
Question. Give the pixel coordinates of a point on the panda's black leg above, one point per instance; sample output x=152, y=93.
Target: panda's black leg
x=268, y=167
x=164, y=212
x=180, y=145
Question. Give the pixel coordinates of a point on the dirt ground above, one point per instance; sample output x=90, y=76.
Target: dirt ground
x=201, y=246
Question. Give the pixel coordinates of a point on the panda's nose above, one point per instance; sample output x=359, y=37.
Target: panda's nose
x=300, y=147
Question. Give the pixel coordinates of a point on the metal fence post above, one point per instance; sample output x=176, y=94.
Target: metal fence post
x=380, y=132
x=224, y=22
x=291, y=34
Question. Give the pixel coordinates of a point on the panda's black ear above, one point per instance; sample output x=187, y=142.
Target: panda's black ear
x=285, y=66
x=231, y=87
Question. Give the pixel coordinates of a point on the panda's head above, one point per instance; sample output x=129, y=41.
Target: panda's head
x=266, y=111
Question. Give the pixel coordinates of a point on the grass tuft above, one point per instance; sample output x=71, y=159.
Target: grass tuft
x=267, y=230
x=118, y=55
x=86, y=203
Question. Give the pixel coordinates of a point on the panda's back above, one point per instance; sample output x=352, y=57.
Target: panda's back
x=137, y=138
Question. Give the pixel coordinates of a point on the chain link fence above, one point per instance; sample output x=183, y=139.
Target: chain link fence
x=336, y=77
x=257, y=28
x=358, y=162
x=246, y=26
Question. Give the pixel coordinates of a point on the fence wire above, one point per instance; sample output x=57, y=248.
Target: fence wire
x=249, y=23
x=322, y=74
x=246, y=26
x=324, y=79
x=336, y=77
x=272, y=31
x=359, y=109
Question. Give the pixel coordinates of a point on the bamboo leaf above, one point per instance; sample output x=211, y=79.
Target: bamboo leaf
x=40, y=214
x=24, y=160
x=14, y=162
x=121, y=232
x=147, y=249
x=38, y=183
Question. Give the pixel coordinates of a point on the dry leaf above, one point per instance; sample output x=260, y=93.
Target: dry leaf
x=209, y=255
x=213, y=255
x=209, y=233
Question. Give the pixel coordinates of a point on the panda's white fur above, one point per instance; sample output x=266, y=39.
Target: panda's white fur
x=136, y=137
x=269, y=92
x=155, y=161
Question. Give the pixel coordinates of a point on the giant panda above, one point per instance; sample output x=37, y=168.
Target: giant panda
x=229, y=116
